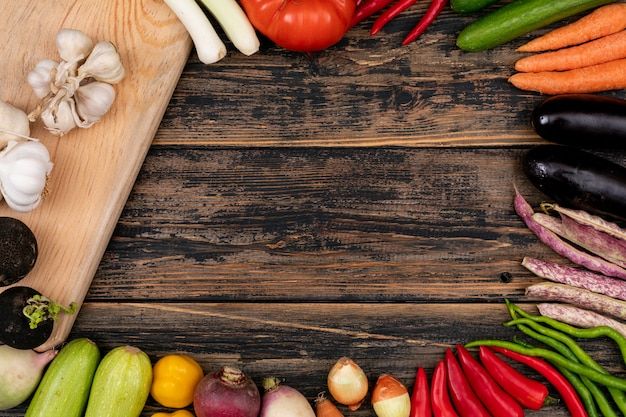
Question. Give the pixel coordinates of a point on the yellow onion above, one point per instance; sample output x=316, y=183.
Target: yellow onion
x=390, y=398
x=347, y=383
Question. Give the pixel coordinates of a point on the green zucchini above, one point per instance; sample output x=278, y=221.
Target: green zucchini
x=518, y=18
x=65, y=385
x=121, y=385
x=470, y=6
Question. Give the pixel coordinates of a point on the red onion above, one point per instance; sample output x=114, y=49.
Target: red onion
x=282, y=400
x=226, y=393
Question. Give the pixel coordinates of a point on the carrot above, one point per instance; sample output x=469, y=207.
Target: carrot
x=603, y=21
x=601, y=77
x=607, y=48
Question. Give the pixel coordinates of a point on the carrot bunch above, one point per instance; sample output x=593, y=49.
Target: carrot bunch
x=586, y=56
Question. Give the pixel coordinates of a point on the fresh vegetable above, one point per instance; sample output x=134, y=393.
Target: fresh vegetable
x=347, y=383
x=591, y=79
x=578, y=179
x=470, y=6
x=528, y=356
x=301, y=26
x=207, y=42
x=529, y=392
x=497, y=401
x=121, y=384
x=65, y=385
x=420, y=395
x=325, y=407
x=598, y=51
x=174, y=379
x=582, y=120
x=14, y=124
x=440, y=398
x=580, y=317
x=18, y=250
x=280, y=400
x=77, y=91
x=27, y=317
x=235, y=24
x=550, y=291
x=518, y=18
x=227, y=392
x=24, y=170
x=177, y=413
x=20, y=373
x=577, y=277
x=463, y=397
x=390, y=398
x=549, y=238
x=602, y=21
x=368, y=8
x=391, y=13
x=433, y=11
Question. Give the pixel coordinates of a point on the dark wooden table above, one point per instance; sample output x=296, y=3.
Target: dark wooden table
x=355, y=202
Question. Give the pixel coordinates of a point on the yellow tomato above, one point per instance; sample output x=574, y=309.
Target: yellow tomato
x=174, y=380
x=179, y=413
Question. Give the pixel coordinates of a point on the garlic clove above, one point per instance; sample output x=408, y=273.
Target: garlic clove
x=73, y=44
x=93, y=100
x=103, y=64
x=12, y=120
x=24, y=170
x=40, y=78
x=58, y=119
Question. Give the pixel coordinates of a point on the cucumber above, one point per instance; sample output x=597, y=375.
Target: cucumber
x=469, y=6
x=65, y=385
x=121, y=385
x=518, y=18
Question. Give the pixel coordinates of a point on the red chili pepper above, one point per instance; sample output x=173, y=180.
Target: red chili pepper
x=463, y=397
x=439, y=396
x=420, y=396
x=529, y=392
x=494, y=398
x=562, y=385
x=434, y=10
x=368, y=8
x=390, y=14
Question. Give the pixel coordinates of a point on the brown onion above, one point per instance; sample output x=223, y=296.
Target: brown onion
x=390, y=398
x=347, y=383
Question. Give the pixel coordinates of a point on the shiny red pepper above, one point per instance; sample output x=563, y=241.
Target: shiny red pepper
x=494, y=398
x=439, y=396
x=434, y=10
x=529, y=392
x=368, y=8
x=463, y=397
x=390, y=14
x=420, y=396
x=558, y=381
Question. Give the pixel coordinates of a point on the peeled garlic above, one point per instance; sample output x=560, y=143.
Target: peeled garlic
x=60, y=119
x=12, y=120
x=24, y=170
x=93, y=100
x=103, y=64
x=73, y=44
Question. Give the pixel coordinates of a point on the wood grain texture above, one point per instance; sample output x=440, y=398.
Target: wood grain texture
x=94, y=168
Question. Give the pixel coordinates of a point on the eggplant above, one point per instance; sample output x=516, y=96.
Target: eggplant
x=578, y=179
x=582, y=120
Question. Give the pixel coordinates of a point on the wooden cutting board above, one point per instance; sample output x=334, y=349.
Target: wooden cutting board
x=94, y=169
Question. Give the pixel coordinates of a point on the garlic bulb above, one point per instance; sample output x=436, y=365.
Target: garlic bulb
x=93, y=100
x=73, y=44
x=103, y=64
x=24, y=170
x=12, y=120
x=40, y=78
x=60, y=119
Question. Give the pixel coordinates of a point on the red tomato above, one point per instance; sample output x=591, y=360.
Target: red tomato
x=301, y=25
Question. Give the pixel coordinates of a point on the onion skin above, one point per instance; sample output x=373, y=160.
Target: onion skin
x=226, y=393
x=390, y=398
x=20, y=373
x=347, y=383
x=283, y=401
